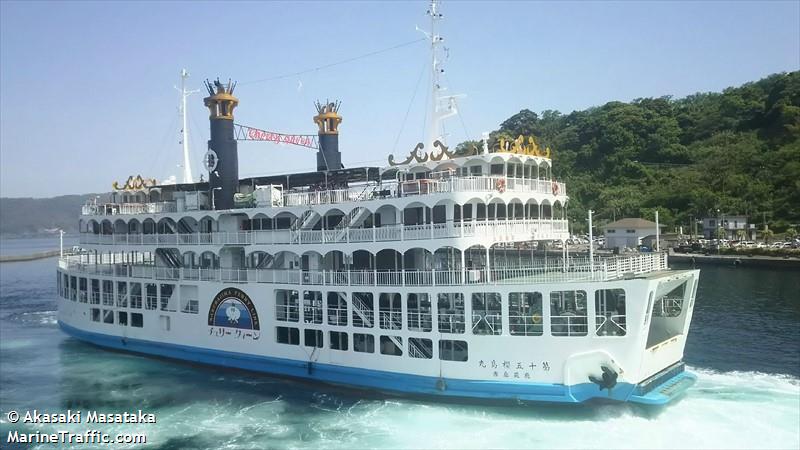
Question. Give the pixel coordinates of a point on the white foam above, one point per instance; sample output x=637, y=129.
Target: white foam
x=724, y=410
x=732, y=410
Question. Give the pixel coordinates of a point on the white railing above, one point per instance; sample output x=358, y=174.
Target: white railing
x=498, y=230
x=114, y=209
x=536, y=272
x=568, y=325
x=611, y=325
x=480, y=184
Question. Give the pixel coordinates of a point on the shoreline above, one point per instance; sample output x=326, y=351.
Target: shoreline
x=736, y=260
x=29, y=257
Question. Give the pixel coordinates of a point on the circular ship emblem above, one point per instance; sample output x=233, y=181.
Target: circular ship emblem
x=232, y=308
x=210, y=160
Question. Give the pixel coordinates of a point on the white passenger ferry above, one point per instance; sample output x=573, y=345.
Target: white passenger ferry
x=427, y=276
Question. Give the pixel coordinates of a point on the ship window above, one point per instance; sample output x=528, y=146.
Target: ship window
x=420, y=348
x=94, y=292
x=136, y=295
x=480, y=211
x=568, y=313
x=167, y=303
x=137, y=320
x=475, y=171
x=108, y=316
x=313, y=338
x=82, y=294
x=122, y=294
x=647, y=311
x=164, y=320
x=487, y=313
x=312, y=307
x=609, y=307
x=283, y=223
x=151, y=296
x=667, y=310
x=525, y=313
x=364, y=343
x=468, y=212
x=391, y=312
x=419, y=312
x=392, y=345
x=337, y=308
x=338, y=340
x=453, y=350
x=286, y=306
x=66, y=286
x=122, y=319
x=286, y=335
x=671, y=304
x=96, y=314
x=363, y=309
x=451, y=312
x=73, y=288
x=108, y=293
x=58, y=282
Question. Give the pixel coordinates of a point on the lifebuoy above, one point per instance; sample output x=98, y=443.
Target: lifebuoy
x=555, y=188
x=500, y=185
x=537, y=318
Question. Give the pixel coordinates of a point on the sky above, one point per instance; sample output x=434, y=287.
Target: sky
x=87, y=89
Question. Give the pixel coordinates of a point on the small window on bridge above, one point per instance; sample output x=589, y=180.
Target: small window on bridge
x=568, y=315
x=609, y=307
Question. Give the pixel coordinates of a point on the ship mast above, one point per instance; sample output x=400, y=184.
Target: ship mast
x=442, y=106
x=187, y=165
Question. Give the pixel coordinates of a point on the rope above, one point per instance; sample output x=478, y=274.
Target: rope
x=408, y=110
x=326, y=66
x=460, y=116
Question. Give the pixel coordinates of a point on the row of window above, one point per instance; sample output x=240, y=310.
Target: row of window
x=107, y=316
x=134, y=296
x=568, y=314
x=422, y=348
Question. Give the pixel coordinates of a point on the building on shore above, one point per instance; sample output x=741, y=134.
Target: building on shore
x=628, y=232
x=731, y=225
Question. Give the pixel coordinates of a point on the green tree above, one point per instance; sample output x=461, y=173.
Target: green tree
x=737, y=151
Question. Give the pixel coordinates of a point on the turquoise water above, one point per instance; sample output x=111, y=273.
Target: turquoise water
x=744, y=346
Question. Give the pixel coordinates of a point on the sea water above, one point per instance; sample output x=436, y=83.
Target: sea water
x=744, y=346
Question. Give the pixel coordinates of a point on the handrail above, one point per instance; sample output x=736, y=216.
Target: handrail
x=498, y=229
x=578, y=270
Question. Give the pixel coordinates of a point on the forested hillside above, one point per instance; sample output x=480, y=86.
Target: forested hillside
x=737, y=151
x=28, y=216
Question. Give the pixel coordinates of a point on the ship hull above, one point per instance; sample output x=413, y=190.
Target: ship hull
x=560, y=369
x=388, y=382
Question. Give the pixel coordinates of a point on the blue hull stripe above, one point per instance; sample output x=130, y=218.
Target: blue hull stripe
x=363, y=378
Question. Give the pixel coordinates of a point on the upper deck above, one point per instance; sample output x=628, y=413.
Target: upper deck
x=503, y=175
